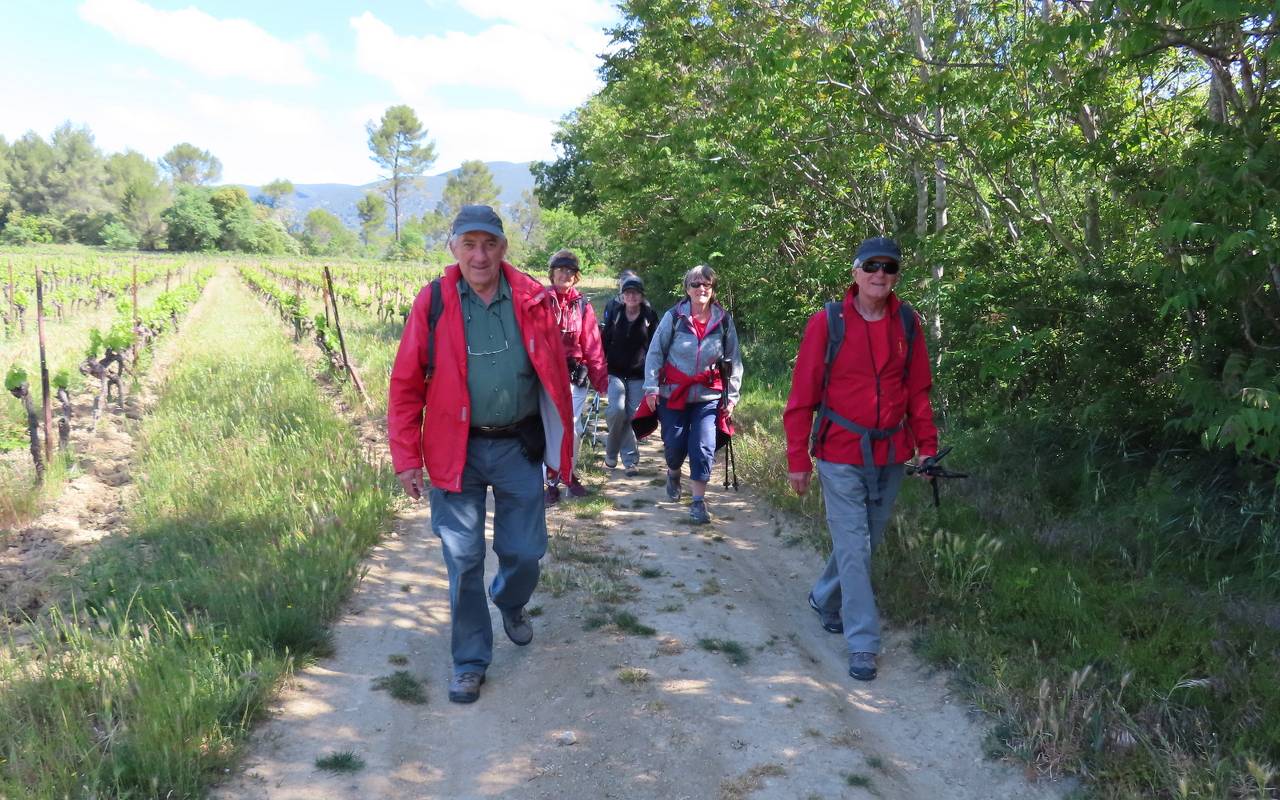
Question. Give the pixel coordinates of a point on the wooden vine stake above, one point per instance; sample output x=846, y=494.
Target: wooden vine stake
x=44, y=370
x=342, y=343
x=134, y=346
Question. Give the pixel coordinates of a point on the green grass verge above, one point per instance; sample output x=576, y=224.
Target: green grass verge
x=1109, y=611
x=253, y=512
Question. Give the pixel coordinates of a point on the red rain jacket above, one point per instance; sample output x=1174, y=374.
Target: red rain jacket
x=581, y=336
x=851, y=393
x=428, y=424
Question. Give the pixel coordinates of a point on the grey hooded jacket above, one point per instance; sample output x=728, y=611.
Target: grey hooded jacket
x=675, y=343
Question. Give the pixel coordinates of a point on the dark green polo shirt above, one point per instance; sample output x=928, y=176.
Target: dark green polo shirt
x=500, y=378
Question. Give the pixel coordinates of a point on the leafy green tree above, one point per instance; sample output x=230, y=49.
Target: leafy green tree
x=471, y=184
x=187, y=164
x=118, y=236
x=400, y=147
x=192, y=221
x=274, y=193
x=134, y=187
x=30, y=160
x=372, y=211
x=323, y=234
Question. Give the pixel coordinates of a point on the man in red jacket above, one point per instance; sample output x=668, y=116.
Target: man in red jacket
x=479, y=395
x=873, y=414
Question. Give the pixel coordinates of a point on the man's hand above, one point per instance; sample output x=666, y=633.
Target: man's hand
x=728, y=408
x=411, y=480
x=916, y=462
x=799, y=481
x=652, y=401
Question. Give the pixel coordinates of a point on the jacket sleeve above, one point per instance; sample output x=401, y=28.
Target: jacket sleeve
x=655, y=358
x=806, y=393
x=592, y=350
x=407, y=391
x=735, y=355
x=919, y=406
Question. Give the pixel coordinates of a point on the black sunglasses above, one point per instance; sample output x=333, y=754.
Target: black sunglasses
x=872, y=267
x=699, y=285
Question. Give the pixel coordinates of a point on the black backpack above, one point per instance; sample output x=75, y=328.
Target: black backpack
x=433, y=316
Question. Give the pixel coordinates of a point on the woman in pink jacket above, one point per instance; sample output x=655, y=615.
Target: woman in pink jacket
x=583, y=352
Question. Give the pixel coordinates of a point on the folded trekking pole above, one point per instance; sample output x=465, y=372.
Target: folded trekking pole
x=933, y=470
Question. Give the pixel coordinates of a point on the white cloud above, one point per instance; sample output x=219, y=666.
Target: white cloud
x=216, y=48
x=564, y=20
x=544, y=70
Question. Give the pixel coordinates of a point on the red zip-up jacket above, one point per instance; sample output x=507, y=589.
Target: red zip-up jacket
x=581, y=336
x=428, y=424
x=851, y=393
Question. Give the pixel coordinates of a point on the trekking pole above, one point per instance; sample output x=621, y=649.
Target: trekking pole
x=931, y=468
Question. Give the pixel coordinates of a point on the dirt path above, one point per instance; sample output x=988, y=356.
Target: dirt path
x=651, y=716
x=91, y=505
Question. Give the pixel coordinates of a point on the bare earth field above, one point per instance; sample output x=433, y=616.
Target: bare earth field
x=591, y=711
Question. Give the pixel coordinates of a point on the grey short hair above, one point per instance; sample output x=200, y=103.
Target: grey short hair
x=701, y=271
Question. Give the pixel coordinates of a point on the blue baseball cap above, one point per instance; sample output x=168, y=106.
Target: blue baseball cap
x=878, y=247
x=477, y=218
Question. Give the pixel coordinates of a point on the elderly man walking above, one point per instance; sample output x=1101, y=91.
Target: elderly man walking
x=859, y=403
x=479, y=396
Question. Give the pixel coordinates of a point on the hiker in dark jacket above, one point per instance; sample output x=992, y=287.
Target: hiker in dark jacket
x=627, y=334
x=682, y=383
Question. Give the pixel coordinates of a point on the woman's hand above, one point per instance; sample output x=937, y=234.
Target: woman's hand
x=651, y=400
x=728, y=408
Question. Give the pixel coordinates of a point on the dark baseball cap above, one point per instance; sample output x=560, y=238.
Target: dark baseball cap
x=878, y=247
x=633, y=283
x=477, y=218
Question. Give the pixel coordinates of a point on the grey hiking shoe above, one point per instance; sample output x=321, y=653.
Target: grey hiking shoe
x=673, y=485
x=862, y=666
x=517, y=626
x=465, y=688
x=631, y=471
x=831, y=622
x=698, y=512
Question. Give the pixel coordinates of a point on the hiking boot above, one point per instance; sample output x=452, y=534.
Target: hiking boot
x=553, y=496
x=831, y=622
x=862, y=666
x=698, y=512
x=610, y=463
x=631, y=471
x=673, y=485
x=576, y=489
x=465, y=688
x=516, y=624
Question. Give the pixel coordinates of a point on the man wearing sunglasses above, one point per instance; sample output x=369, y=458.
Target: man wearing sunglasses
x=859, y=404
x=479, y=396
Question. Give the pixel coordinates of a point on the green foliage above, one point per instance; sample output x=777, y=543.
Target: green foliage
x=192, y=221
x=400, y=147
x=15, y=377
x=188, y=165
x=61, y=379
x=24, y=229
x=274, y=193
x=117, y=236
x=323, y=234
x=372, y=211
x=470, y=184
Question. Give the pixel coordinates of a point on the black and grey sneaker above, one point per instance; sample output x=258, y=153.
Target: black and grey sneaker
x=698, y=512
x=465, y=688
x=862, y=666
x=673, y=485
x=631, y=471
x=517, y=626
x=831, y=622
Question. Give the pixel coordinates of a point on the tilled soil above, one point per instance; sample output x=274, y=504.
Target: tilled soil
x=594, y=707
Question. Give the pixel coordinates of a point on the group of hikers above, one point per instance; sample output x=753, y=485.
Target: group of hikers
x=494, y=369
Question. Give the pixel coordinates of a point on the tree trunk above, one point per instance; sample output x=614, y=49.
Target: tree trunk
x=23, y=393
x=922, y=201
x=64, y=423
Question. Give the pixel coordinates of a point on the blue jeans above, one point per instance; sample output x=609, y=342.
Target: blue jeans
x=857, y=526
x=625, y=395
x=519, y=541
x=690, y=431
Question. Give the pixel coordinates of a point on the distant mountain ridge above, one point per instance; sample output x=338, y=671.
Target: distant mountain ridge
x=340, y=199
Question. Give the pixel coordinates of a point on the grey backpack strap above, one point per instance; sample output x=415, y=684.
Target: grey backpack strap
x=835, y=338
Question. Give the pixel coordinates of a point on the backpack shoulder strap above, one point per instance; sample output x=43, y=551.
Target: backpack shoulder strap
x=835, y=338
x=433, y=316
x=909, y=319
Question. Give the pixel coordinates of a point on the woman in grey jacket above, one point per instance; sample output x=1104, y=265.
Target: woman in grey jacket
x=683, y=382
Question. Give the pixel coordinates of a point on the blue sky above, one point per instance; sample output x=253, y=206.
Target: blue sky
x=284, y=89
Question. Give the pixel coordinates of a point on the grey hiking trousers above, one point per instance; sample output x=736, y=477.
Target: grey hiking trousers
x=857, y=526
